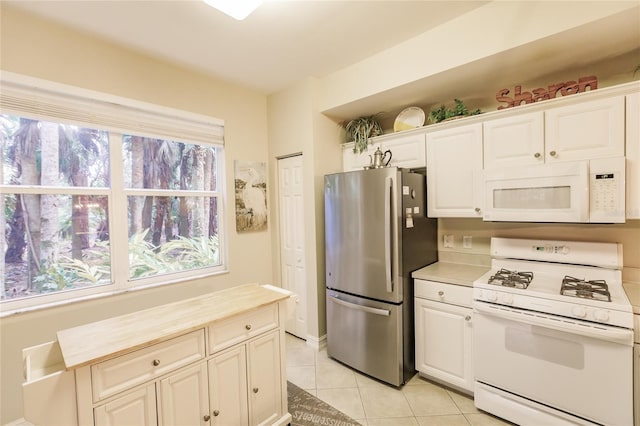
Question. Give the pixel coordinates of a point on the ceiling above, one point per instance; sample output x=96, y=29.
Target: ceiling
x=280, y=43
x=285, y=41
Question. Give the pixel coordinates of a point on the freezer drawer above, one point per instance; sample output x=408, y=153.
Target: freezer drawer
x=372, y=341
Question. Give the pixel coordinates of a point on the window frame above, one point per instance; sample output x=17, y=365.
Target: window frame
x=48, y=101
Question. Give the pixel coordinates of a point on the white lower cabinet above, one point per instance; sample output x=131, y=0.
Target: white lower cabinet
x=245, y=383
x=443, y=321
x=133, y=408
x=184, y=398
x=263, y=362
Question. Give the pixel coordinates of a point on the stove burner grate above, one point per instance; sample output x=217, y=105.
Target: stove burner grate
x=594, y=289
x=507, y=278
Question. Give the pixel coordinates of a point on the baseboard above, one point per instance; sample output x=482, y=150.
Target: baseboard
x=317, y=343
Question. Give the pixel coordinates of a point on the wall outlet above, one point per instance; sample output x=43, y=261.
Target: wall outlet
x=448, y=241
x=467, y=242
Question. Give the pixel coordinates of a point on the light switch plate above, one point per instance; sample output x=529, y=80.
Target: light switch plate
x=467, y=242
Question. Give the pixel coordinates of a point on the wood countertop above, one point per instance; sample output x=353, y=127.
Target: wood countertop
x=97, y=341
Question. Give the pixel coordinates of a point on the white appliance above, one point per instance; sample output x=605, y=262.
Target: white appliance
x=576, y=191
x=553, y=334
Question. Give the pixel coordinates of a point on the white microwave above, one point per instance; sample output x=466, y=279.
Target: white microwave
x=578, y=191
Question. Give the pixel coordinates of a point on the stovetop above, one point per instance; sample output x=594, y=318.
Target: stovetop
x=585, y=292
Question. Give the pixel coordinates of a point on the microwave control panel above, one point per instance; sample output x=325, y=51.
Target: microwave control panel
x=607, y=190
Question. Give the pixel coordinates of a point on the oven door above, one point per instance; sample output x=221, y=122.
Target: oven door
x=578, y=368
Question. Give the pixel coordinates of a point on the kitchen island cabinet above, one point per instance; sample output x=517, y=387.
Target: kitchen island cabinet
x=454, y=164
x=204, y=361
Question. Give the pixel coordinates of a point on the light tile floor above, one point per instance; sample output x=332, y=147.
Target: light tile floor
x=418, y=403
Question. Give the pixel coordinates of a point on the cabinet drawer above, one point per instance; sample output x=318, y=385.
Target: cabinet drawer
x=242, y=327
x=446, y=293
x=117, y=374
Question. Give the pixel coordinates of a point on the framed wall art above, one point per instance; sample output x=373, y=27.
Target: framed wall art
x=251, y=196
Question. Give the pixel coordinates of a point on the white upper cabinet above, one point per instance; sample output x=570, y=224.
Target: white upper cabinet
x=633, y=156
x=585, y=130
x=514, y=141
x=454, y=164
x=407, y=151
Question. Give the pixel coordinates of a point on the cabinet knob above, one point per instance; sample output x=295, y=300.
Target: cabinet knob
x=206, y=417
x=467, y=318
x=537, y=155
x=552, y=153
x=255, y=390
x=248, y=326
x=216, y=413
x=441, y=293
x=156, y=362
x=477, y=209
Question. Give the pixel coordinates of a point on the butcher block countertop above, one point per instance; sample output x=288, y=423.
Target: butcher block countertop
x=451, y=273
x=94, y=342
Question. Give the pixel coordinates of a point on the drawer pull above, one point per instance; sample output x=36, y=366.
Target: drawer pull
x=467, y=318
x=248, y=326
x=156, y=362
x=441, y=293
x=206, y=417
x=255, y=390
x=553, y=153
x=216, y=413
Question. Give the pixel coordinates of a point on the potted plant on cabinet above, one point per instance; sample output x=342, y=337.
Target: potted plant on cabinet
x=443, y=112
x=361, y=129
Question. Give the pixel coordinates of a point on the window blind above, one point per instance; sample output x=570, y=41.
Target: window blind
x=45, y=100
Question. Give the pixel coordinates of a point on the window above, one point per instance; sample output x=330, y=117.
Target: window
x=102, y=195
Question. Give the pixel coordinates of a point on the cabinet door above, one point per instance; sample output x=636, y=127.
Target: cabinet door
x=633, y=156
x=356, y=161
x=443, y=342
x=228, y=388
x=585, y=130
x=407, y=151
x=184, y=398
x=514, y=141
x=134, y=408
x=265, y=385
x=454, y=166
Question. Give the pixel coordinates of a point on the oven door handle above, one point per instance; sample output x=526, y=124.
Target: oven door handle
x=622, y=336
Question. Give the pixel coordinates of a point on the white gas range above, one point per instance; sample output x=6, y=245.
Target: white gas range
x=553, y=334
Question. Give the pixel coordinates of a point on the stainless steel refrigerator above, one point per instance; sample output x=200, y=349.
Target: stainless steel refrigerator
x=376, y=234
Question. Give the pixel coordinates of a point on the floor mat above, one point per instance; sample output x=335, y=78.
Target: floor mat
x=307, y=410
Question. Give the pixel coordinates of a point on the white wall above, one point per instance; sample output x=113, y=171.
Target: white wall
x=36, y=48
x=297, y=126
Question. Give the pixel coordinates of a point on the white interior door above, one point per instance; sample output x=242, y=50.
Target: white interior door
x=292, y=263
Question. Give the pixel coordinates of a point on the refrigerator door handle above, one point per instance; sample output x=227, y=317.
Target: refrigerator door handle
x=387, y=232
x=376, y=311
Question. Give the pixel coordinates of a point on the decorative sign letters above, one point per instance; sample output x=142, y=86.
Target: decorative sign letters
x=542, y=94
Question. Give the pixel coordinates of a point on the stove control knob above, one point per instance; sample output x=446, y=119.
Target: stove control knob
x=493, y=296
x=579, y=311
x=601, y=315
x=508, y=299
